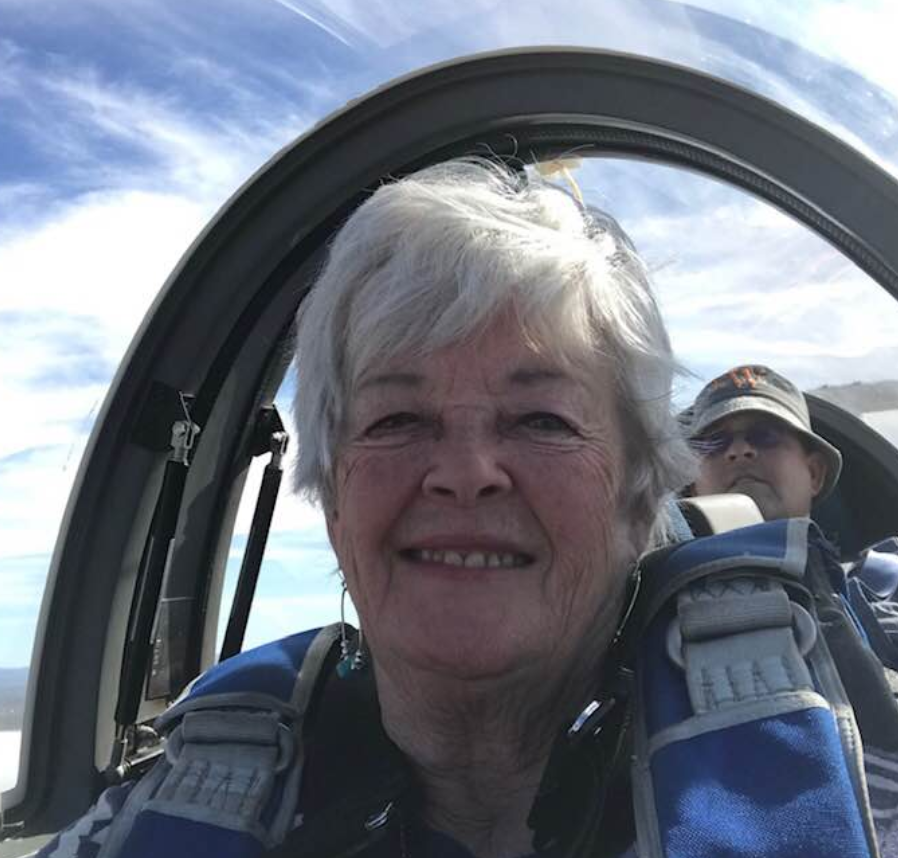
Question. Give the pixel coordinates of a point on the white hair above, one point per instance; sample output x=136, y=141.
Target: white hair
x=431, y=259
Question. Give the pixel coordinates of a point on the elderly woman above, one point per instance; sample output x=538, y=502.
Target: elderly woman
x=483, y=408
x=484, y=413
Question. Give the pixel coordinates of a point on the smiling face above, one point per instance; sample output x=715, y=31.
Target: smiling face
x=476, y=516
x=776, y=471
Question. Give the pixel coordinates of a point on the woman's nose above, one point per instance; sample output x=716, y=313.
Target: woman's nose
x=465, y=471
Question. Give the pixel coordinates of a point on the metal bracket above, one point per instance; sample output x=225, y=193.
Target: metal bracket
x=162, y=406
x=183, y=437
x=268, y=424
x=278, y=448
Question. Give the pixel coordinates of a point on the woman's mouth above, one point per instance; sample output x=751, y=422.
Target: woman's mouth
x=467, y=559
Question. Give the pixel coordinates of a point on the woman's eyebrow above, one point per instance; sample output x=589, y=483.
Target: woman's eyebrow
x=531, y=376
x=387, y=379
x=521, y=377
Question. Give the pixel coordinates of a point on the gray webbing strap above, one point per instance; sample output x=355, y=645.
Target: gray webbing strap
x=224, y=758
x=736, y=640
x=226, y=761
x=310, y=672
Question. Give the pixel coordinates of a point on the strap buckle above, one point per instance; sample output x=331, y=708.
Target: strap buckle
x=803, y=626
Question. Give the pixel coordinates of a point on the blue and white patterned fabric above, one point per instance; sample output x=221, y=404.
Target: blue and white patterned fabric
x=84, y=838
x=774, y=782
x=882, y=784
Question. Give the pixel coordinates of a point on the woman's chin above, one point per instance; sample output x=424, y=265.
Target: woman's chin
x=460, y=664
x=474, y=645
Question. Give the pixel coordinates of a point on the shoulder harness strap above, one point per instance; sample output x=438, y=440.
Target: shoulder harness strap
x=745, y=740
x=234, y=756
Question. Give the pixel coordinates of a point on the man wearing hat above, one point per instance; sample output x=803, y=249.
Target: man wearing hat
x=752, y=430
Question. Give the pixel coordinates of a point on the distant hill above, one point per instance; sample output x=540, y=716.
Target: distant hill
x=861, y=397
x=13, y=681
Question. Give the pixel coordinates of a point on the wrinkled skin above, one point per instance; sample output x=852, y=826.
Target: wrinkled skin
x=782, y=481
x=485, y=448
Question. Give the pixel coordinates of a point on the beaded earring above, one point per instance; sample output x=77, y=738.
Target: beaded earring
x=349, y=661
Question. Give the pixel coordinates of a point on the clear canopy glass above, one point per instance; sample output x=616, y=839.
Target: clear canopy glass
x=125, y=126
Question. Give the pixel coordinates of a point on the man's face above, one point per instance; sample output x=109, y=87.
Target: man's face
x=760, y=456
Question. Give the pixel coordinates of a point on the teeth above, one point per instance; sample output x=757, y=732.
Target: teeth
x=474, y=560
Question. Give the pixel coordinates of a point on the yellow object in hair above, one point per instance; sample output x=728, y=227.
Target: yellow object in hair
x=562, y=167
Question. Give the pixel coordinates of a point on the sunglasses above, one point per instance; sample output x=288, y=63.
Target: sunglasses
x=761, y=436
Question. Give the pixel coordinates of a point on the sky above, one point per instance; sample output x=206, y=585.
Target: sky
x=126, y=124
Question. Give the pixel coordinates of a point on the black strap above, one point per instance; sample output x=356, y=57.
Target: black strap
x=861, y=672
x=584, y=806
x=355, y=781
x=881, y=644
x=320, y=660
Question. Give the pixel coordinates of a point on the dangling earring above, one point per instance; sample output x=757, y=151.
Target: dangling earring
x=344, y=642
x=348, y=661
x=359, y=662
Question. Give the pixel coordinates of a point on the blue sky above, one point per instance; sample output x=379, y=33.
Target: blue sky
x=125, y=124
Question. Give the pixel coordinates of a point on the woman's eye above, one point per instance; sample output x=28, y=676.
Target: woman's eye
x=393, y=423
x=543, y=421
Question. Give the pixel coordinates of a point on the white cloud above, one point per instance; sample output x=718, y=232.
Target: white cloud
x=16, y=196
x=22, y=582
x=860, y=34
x=387, y=22
x=857, y=34
x=319, y=20
x=33, y=496
x=91, y=271
x=104, y=256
